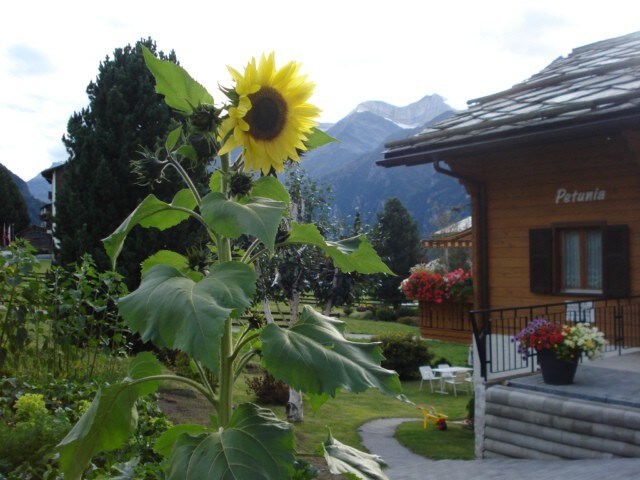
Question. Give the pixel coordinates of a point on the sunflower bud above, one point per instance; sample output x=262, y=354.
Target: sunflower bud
x=205, y=118
x=283, y=233
x=149, y=169
x=241, y=184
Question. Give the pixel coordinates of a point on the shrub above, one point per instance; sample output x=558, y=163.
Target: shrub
x=28, y=431
x=268, y=390
x=404, y=353
x=30, y=443
x=406, y=311
x=471, y=408
x=347, y=310
x=30, y=406
x=385, y=314
x=413, y=321
x=440, y=361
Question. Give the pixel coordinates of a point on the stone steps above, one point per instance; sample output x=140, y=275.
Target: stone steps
x=538, y=425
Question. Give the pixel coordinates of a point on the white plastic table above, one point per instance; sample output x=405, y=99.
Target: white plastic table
x=448, y=370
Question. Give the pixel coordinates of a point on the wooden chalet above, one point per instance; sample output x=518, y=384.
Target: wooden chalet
x=552, y=166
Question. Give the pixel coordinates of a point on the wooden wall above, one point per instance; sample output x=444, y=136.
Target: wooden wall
x=522, y=185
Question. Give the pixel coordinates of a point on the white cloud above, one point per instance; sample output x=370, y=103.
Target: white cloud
x=353, y=50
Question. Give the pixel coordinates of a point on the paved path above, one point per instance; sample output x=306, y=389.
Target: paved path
x=405, y=465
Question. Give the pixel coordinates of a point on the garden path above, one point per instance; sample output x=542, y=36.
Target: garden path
x=378, y=438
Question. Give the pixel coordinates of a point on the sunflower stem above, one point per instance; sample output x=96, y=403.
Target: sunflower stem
x=226, y=350
x=187, y=179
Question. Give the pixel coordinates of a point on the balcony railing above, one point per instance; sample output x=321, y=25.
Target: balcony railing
x=494, y=329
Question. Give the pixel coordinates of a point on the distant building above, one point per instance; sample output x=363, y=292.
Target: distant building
x=54, y=176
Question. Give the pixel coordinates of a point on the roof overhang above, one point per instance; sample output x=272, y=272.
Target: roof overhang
x=418, y=150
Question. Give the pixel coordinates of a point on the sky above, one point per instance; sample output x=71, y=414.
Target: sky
x=394, y=51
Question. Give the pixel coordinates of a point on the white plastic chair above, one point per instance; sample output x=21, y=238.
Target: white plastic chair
x=458, y=378
x=427, y=374
x=445, y=374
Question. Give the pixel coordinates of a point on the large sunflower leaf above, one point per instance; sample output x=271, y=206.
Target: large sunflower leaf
x=165, y=442
x=180, y=90
x=259, y=217
x=313, y=356
x=270, y=187
x=173, y=259
x=256, y=445
x=172, y=311
x=110, y=420
x=151, y=212
x=349, y=255
x=318, y=138
x=343, y=459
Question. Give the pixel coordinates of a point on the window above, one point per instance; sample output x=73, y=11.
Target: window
x=585, y=260
x=580, y=260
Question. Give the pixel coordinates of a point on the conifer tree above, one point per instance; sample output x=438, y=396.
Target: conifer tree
x=396, y=239
x=13, y=210
x=99, y=191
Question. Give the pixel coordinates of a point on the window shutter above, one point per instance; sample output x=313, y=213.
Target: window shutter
x=541, y=260
x=615, y=261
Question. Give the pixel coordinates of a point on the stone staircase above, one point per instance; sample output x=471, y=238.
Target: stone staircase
x=529, y=424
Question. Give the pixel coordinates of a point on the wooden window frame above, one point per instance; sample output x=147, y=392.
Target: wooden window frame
x=583, y=288
x=544, y=256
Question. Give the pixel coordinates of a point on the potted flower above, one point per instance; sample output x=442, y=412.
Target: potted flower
x=559, y=347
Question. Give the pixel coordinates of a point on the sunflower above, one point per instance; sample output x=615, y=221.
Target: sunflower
x=271, y=118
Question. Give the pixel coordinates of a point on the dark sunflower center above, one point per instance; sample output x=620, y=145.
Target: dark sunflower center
x=268, y=114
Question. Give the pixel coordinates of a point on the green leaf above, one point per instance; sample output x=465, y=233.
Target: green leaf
x=151, y=212
x=259, y=217
x=165, y=442
x=188, y=151
x=110, y=420
x=256, y=445
x=215, y=181
x=313, y=356
x=172, y=138
x=173, y=259
x=180, y=90
x=343, y=459
x=351, y=254
x=270, y=187
x=172, y=311
x=318, y=138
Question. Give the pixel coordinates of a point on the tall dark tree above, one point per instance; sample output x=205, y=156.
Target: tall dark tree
x=13, y=210
x=124, y=117
x=397, y=241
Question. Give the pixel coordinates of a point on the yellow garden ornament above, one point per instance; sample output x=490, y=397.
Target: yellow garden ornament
x=272, y=119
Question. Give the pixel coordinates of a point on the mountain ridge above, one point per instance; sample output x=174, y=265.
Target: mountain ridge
x=360, y=185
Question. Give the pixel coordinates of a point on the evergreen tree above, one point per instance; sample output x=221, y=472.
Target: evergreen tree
x=397, y=241
x=124, y=117
x=13, y=210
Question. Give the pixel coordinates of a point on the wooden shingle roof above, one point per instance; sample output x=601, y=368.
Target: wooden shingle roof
x=596, y=87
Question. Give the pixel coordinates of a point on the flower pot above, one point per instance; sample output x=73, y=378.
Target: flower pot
x=556, y=371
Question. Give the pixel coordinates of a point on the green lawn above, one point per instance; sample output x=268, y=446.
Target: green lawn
x=454, y=443
x=373, y=327
x=344, y=414
x=348, y=411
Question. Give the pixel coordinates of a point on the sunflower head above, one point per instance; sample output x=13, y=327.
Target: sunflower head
x=271, y=118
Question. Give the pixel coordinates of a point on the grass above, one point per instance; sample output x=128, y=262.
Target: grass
x=373, y=327
x=455, y=443
x=456, y=353
x=348, y=411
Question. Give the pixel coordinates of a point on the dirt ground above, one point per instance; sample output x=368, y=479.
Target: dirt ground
x=186, y=406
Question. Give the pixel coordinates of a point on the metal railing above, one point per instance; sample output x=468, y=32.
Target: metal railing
x=494, y=329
